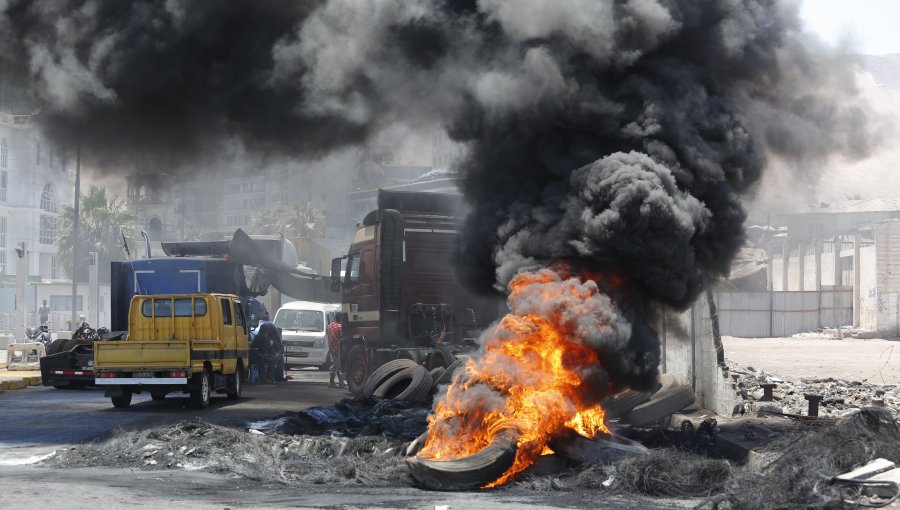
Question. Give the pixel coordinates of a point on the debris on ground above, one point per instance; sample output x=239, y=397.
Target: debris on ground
x=351, y=418
x=839, y=397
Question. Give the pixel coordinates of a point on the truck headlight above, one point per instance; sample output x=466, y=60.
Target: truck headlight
x=320, y=342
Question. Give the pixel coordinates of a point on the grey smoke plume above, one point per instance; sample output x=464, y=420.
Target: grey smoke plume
x=618, y=135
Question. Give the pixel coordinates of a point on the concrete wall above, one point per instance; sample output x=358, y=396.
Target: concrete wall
x=887, y=283
x=689, y=353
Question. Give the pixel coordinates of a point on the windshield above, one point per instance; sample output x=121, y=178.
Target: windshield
x=301, y=320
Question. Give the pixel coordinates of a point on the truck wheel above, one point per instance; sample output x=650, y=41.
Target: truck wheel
x=412, y=383
x=356, y=370
x=70, y=344
x=441, y=357
x=200, y=394
x=236, y=384
x=123, y=400
x=55, y=346
x=158, y=395
x=383, y=373
x=447, y=376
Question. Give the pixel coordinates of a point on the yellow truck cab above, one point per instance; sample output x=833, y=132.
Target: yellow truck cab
x=193, y=343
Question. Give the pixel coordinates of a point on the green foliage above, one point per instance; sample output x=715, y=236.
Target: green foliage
x=301, y=220
x=103, y=221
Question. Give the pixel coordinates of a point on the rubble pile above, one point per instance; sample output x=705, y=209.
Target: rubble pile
x=839, y=397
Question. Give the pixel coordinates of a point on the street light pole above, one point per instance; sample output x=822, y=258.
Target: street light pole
x=75, y=233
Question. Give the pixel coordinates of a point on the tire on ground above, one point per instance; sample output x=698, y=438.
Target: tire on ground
x=436, y=373
x=441, y=357
x=55, y=346
x=447, y=376
x=412, y=383
x=665, y=381
x=383, y=373
x=467, y=473
x=663, y=404
x=621, y=403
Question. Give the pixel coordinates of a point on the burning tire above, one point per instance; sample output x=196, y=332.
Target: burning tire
x=412, y=383
x=663, y=404
x=621, y=403
x=471, y=472
x=383, y=373
x=593, y=451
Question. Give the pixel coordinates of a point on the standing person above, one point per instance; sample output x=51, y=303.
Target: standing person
x=334, y=348
x=44, y=312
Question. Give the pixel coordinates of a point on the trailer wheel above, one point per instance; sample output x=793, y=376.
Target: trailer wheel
x=383, y=373
x=122, y=400
x=200, y=393
x=158, y=395
x=412, y=383
x=356, y=370
x=236, y=383
x=55, y=346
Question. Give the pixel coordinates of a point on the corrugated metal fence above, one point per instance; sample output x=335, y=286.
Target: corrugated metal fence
x=773, y=314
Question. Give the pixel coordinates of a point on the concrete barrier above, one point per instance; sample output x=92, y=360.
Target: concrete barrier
x=25, y=356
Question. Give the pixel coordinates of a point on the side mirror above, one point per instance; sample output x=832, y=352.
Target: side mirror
x=336, y=274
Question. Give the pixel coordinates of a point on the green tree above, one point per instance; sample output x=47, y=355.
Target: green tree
x=301, y=220
x=103, y=222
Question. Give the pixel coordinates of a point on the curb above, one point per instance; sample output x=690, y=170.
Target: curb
x=18, y=384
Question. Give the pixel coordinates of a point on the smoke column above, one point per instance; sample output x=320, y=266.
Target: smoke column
x=616, y=135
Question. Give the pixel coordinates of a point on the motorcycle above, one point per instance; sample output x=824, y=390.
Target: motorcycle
x=41, y=335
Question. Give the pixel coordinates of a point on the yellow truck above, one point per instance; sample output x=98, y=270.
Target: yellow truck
x=192, y=343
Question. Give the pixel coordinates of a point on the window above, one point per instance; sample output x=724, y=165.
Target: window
x=3, y=185
x=312, y=321
x=4, y=154
x=226, y=312
x=48, y=229
x=239, y=315
x=64, y=303
x=2, y=231
x=54, y=268
x=2, y=261
x=351, y=277
x=48, y=199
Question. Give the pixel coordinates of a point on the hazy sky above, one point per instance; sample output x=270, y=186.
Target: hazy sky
x=871, y=24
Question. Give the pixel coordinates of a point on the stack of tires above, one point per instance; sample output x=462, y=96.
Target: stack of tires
x=404, y=379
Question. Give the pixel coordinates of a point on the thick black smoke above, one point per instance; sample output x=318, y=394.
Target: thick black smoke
x=619, y=135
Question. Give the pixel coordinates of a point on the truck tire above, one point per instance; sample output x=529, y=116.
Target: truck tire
x=200, y=393
x=356, y=372
x=123, y=400
x=70, y=344
x=467, y=473
x=435, y=374
x=621, y=403
x=158, y=395
x=383, y=373
x=412, y=383
x=235, y=383
x=441, y=357
x=55, y=346
x=447, y=376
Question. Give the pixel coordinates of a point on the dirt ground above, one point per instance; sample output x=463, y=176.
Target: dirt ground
x=876, y=361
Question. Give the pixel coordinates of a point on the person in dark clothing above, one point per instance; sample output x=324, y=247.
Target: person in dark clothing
x=267, y=352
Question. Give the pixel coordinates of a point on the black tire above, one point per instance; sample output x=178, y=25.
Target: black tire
x=470, y=472
x=123, y=400
x=236, y=383
x=324, y=367
x=447, y=376
x=623, y=402
x=202, y=390
x=571, y=445
x=383, y=373
x=55, y=346
x=440, y=358
x=158, y=395
x=70, y=344
x=412, y=383
x=665, y=381
x=436, y=373
x=356, y=372
x=663, y=404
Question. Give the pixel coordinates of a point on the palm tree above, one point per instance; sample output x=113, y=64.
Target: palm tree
x=104, y=220
x=301, y=220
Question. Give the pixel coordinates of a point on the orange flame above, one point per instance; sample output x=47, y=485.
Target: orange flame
x=531, y=375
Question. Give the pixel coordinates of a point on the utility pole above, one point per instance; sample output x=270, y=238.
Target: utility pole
x=75, y=233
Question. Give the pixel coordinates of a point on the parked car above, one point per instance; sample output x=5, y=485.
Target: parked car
x=302, y=326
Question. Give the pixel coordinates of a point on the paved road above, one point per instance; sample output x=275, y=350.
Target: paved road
x=39, y=416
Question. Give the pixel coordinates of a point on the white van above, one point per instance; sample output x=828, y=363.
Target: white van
x=302, y=326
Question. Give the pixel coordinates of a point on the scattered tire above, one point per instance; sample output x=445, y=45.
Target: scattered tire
x=621, y=403
x=447, y=376
x=55, y=346
x=123, y=400
x=158, y=395
x=416, y=445
x=663, y=404
x=666, y=381
x=436, y=373
x=356, y=372
x=441, y=357
x=412, y=383
x=383, y=373
x=70, y=344
x=200, y=394
x=235, y=383
x=595, y=451
x=467, y=473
